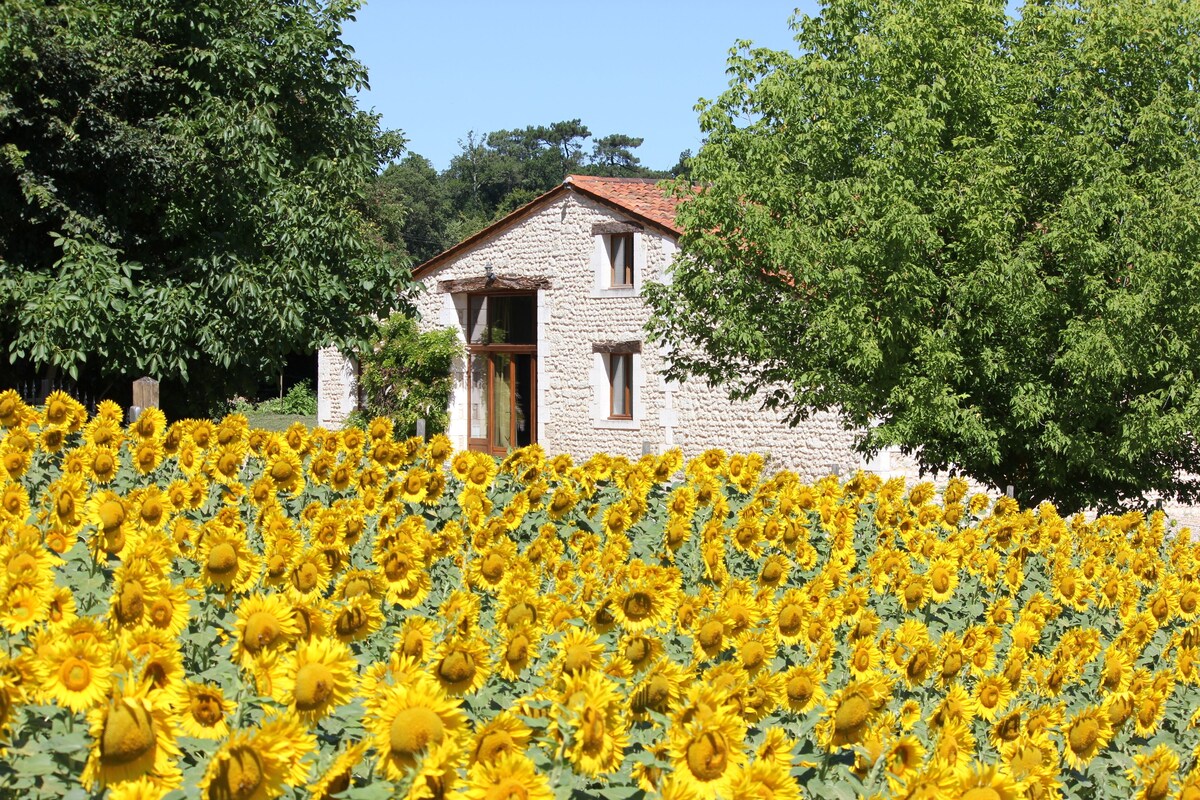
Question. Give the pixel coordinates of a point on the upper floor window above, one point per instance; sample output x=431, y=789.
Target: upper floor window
x=620, y=259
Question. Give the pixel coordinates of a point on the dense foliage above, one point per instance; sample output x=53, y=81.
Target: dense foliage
x=229, y=613
x=180, y=185
x=405, y=376
x=424, y=212
x=972, y=234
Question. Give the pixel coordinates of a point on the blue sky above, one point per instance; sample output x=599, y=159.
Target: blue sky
x=441, y=69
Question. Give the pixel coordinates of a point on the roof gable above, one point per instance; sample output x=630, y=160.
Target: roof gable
x=637, y=198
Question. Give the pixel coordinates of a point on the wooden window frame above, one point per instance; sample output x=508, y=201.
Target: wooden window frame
x=626, y=391
x=623, y=271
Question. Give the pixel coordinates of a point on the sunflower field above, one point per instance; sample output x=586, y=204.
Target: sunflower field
x=202, y=609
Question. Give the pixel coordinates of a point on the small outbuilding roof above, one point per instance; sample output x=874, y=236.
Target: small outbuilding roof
x=638, y=198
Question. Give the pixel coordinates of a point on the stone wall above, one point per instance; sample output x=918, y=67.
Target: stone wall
x=337, y=387
x=578, y=311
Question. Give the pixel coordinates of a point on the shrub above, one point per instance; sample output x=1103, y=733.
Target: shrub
x=407, y=376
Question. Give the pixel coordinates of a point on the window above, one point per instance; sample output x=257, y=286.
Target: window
x=620, y=380
x=620, y=258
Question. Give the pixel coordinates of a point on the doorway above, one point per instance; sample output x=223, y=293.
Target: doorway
x=502, y=371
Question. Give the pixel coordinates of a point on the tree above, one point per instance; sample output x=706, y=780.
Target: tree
x=410, y=208
x=974, y=236
x=181, y=189
x=614, y=153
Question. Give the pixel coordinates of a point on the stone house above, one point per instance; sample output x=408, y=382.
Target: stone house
x=548, y=303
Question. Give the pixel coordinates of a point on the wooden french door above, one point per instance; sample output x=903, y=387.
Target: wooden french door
x=502, y=372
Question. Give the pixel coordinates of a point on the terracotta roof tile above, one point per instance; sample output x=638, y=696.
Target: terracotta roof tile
x=642, y=196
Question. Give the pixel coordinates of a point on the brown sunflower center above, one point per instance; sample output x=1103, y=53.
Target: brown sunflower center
x=315, y=683
x=492, y=568
x=458, y=666
x=711, y=634
x=791, y=619
x=222, y=560
x=306, y=576
x=592, y=730
x=206, y=709
x=130, y=602
x=414, y=729
x=1083, y=735
x=239, y=776
x=262, y=629
x=851, y=713
x=990, y=696
x=771, y=572
x=800, y=688
x=414, y=644
x=112, y=514
x=708, y=755
x=754, y=655
x=282, y=472
x=351, y=621
x=1189, y=601
x=637, y=606
x=356, y=586
x=521, y=612
x=75, y=674
x=103, y=464
x=941, y=580
x=638, y=650
x=128, y=734
x=517, y=649
x=494, y=744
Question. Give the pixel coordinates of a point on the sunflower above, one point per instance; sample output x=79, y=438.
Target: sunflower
x=309, y=575
x=988, y=782
x=707, y=752
x=76, y=672
x=107, y=511
x=131, y=738
x=146, y=456
x=202, y=710
x=489, y=571
x=501, y=735
x=1086, y=734
x=511, y=775
x=851, y=712
x=579, y=650
x=63, y=411
x=591, y=723
x=356, y=618
x=803, y=687
x=339, y=776
x=461, y=664
x=256, y=765
x=409, y=719
x=992, y=693
x=519, y=651
x=264, y=622
x=286, y=471
x=318, y=676
x=167, y=610
x=226, y=560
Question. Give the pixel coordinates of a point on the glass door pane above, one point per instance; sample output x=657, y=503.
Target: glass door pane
x=523, y=398
x=478, y=412
x=502, y=401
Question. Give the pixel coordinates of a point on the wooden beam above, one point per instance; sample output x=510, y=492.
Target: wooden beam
x=505, y=283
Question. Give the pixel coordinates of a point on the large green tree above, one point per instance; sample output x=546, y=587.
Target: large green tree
x=974, y=235
x=181, y=188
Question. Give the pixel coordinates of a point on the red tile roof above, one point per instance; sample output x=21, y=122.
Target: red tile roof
x=642, y=196
x=639, y=198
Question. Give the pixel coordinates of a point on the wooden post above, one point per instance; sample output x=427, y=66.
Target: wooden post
x=145, y=395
